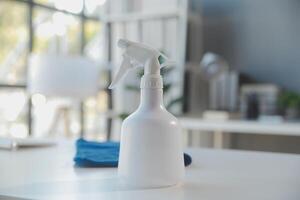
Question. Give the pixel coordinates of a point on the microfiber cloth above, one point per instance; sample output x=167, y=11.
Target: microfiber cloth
x=103, y=154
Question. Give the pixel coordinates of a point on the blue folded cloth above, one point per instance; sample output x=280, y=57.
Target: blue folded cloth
x=102, y=154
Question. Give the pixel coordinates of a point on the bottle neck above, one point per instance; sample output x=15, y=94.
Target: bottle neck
x=151, y=98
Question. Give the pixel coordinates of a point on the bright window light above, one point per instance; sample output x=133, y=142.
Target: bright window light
x=11, y=105
x=92, y=5
x=59, y=23
x=18, y=130
x=38, y=100
x=74, y=6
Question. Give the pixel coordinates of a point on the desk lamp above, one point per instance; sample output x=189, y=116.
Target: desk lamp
x=223, y=83
x=69, y=77
x=212, y=66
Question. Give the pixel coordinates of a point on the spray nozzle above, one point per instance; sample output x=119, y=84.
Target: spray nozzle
x=125, y=66
x=139, y=55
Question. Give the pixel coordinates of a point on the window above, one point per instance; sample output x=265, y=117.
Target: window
x=13, y=42
x=44, y=26
x=13, y=111
x=56, y=32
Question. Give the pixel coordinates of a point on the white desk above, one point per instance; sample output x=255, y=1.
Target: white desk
x=218, y=127
x=215, y=174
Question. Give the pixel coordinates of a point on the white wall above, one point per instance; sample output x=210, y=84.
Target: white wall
x=259, y=37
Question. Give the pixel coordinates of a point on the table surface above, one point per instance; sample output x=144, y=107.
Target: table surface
x=48, y=173
x=241, y=126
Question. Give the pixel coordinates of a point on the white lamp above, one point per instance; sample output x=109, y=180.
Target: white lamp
x=62, y=76
x=223, y=83
x=70, y=77
x=212, y=65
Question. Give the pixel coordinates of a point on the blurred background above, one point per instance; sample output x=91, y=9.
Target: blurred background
x=236, y=83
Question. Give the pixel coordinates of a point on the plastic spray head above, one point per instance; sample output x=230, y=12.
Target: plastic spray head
x=138, y=55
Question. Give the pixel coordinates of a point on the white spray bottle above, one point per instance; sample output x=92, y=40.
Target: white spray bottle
x=151, y=147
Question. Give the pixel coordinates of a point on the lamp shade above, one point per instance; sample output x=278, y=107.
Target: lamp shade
x=212, y=65
x=62, y=76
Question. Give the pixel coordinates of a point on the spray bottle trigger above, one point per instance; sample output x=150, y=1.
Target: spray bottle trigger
x=122, y=71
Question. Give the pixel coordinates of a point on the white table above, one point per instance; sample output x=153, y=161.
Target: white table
x=218, y=127
x=48, y=173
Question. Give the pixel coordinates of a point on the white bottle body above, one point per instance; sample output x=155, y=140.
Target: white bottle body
x=151, y=145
